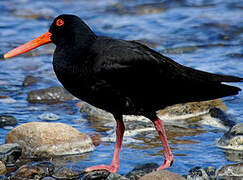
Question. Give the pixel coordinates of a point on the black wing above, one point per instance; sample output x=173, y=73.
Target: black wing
x=152, y=80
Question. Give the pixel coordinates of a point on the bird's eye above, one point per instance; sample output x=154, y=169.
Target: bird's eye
x=59, y=22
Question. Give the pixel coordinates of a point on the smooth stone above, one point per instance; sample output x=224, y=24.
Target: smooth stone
x=43, y=139
x=231, y=171
x=49, y=117
x=3, y=169
x=233, y=139
x=141, y=170
x=162, y=175
x=33, y=170
x=49, y=95
x=29, y=80
x=9, y=153
x=7, y=120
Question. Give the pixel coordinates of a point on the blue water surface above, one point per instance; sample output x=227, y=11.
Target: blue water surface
x=211, y=30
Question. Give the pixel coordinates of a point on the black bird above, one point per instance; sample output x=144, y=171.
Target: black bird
x=124, y=77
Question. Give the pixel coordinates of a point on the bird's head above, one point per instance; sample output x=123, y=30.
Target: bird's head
x=65, y=30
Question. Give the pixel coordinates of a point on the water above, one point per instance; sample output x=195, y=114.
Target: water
x=210, y=32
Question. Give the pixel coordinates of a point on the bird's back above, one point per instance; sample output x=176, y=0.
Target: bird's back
x=148, y=81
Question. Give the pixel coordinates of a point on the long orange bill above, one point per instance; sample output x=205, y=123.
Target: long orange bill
x=43, y=39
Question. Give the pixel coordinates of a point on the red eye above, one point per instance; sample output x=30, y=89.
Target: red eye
x=59, y=22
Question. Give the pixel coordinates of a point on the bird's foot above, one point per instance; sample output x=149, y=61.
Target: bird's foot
x=166, y=164
x=110, y=168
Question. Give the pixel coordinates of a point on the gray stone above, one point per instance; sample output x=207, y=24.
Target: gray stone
x=49, y=117
x=9, y=153
x=231, y=171
x=141, y=170
x=233, y=139
x=198, y=173
x=49, y=96
x=7, y=120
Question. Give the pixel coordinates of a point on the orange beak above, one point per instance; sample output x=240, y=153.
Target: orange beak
x=43, y=39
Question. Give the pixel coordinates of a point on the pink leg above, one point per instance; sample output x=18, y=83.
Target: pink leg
x=168, y=156
x=114, y=166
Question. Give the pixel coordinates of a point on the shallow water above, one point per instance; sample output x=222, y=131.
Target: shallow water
x=207, y=35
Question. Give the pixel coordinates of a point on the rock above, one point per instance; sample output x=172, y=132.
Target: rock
x=162, y=175
x=29, y=80
x=170, y=113
x=198, y=173
x=114, y=176
x=3, y=169
x=71, y=171
x=142, y=170
x=9, y=153
x=7, y=120
x=42, y=139
x=233, y=139
x=189, y=110
x=49, y=96
x=33, y=170
x=100, y=174
x=49, y=117
x=218, y=118
x=231, y=171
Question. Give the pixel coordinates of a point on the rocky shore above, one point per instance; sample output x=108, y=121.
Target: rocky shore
x=51, y=150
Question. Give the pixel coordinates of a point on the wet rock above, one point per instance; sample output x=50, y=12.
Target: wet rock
x=162, y=175
x=49, y=117
x=189, y=110
x=141, y=170
x=94, y=112
x=7, y=120
x=224, y=118
x=136, y=127
x=114, y=176
x=233, y=139
x=199, y=173
x=33, y=170
x=68, y=172
x=101, y=174
x=3, y=169
x=42, y=139
x=9, y=153
x=50, y=95
x=29, y=80
x=231, y=171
